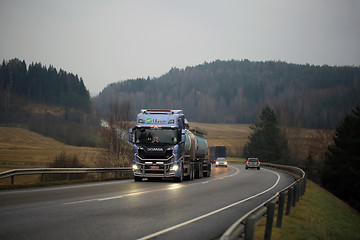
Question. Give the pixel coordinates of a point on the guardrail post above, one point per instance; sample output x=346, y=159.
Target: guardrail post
x=289, y=200
x=68, y=176
x=280, y=210
x=303, y=186
x=294, y=195
x=298, y=186
x=250, y=228
x=12, y=180
x=269, y=220
x=43, y=177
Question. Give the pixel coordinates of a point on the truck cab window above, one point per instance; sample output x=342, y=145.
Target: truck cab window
x=157, y=135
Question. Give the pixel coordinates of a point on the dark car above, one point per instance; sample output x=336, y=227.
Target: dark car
x=252, y=163
x=221, y=161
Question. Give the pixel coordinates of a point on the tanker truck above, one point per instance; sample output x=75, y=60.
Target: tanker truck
x=165, y=147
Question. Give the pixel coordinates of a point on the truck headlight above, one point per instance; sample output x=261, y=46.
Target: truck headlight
x=135, y=167
x=174, y=167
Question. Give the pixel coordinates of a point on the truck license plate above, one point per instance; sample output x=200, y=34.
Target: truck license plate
x=154, y=167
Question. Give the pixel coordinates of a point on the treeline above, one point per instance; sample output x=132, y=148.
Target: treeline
x=43, y=84
x=236, y=91
x=51, y=102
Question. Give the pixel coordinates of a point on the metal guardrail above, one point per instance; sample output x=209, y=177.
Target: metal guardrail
x=244, y=228
x=43, y=171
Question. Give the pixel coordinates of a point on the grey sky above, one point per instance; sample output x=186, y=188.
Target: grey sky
x=109, y=41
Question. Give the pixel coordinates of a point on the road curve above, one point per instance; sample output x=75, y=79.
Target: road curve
x=199, y=209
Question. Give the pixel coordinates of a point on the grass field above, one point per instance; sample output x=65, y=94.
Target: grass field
x=21, y=148
x=229, y=135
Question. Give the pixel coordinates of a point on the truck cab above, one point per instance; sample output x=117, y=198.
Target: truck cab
x=158, y=138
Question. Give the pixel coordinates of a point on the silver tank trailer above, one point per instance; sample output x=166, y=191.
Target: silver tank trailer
x=196, y=146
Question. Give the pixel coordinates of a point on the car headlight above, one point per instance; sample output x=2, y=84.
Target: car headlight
x=174, y=167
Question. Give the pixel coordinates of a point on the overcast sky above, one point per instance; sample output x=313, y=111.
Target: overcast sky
x=112, y=40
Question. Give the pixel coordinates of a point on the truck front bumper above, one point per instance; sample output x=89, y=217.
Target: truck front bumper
x=154, y=167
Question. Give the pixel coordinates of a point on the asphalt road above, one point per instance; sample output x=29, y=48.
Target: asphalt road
x=199, y=209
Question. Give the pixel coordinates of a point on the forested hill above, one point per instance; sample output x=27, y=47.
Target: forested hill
x=50, y=102
x=236, y=91
x=43, y=84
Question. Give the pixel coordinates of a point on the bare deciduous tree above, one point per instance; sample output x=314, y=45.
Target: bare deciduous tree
x=117, y=152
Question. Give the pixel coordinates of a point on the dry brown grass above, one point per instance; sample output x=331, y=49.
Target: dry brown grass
x=229, y=135
x=21, y=148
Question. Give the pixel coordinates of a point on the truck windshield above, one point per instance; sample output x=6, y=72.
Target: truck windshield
x=157, y=135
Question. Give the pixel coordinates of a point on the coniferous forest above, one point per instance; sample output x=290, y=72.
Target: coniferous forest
x=45, y=100
x=44, y=85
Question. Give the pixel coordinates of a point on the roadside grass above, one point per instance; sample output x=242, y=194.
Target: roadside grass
x=318, y=215
x=21, y=148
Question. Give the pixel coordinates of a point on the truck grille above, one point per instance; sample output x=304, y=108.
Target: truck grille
x=142, y=154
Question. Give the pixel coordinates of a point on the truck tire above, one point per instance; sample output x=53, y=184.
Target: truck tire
x=192, y=175
x=198, y=170
x=207, y=173
x=181, y=178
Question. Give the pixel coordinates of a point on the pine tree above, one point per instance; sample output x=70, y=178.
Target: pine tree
x=341, y=174
x=267, y=142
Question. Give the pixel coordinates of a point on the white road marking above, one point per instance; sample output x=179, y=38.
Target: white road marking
x=211, y=213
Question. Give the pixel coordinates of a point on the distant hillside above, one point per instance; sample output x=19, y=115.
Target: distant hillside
x=236, y=91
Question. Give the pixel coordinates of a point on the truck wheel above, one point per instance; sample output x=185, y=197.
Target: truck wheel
x=180, y=179
x=190, y=175
x=137, y=179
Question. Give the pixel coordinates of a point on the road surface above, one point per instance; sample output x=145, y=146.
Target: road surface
x=199, y=209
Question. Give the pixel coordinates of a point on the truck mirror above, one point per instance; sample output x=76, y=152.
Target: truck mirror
x=130, y=135
x=183, y=136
